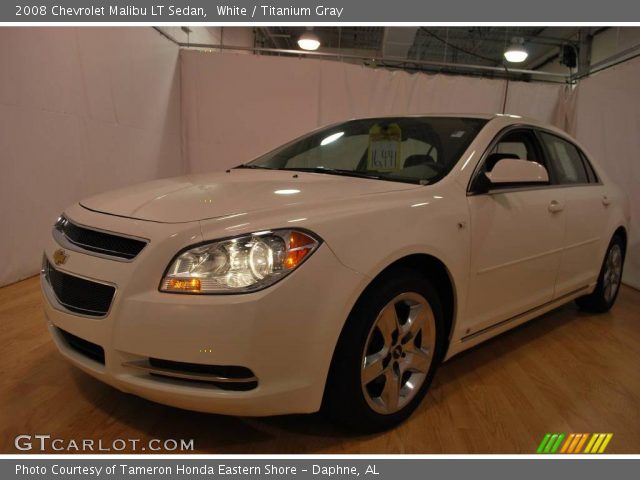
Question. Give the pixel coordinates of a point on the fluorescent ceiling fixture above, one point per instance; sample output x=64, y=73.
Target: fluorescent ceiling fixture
x=308, y=41
x=291, y=191
x=331, y=138
x=516, y=53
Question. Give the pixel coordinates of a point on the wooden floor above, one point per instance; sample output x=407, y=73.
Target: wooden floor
x=564, y=372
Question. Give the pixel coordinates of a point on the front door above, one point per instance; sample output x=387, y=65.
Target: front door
x=516, y=241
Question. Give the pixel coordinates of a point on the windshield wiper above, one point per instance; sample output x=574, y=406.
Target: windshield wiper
x=339, y=171
x=334, y=171
x=251, y=165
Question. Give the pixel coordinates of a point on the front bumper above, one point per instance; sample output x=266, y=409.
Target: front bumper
x=284, y=334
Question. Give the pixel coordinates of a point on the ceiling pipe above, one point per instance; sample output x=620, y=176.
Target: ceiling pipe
x=611, y=61
x=381, y=59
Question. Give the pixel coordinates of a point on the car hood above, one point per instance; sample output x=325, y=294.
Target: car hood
x=198, y=197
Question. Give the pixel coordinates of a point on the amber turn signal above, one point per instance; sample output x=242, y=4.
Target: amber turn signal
x=186, y=285
x=299, y=246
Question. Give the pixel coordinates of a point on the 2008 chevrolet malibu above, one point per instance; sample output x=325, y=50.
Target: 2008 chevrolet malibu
x=337, y=271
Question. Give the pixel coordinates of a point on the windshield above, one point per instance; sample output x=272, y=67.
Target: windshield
x=416, y=150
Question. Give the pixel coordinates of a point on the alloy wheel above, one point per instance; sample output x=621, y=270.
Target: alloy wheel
x=398, y=353
x=612, y=273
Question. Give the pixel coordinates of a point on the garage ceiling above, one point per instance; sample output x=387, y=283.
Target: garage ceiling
x=456, y=45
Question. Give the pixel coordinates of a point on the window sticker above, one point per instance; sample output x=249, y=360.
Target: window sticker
x=385, y=142
x=458, y=134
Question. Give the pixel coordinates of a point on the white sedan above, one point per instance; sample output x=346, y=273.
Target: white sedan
x=337, y=271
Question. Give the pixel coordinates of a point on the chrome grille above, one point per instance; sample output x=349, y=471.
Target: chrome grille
x=104, y=243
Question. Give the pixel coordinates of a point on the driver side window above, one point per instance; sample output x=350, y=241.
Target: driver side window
x=517, y=144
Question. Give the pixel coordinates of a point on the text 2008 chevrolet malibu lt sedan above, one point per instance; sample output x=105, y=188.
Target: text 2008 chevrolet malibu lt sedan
x=338, y=270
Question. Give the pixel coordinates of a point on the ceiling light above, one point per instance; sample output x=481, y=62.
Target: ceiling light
x=309, y=41
x=516, y=53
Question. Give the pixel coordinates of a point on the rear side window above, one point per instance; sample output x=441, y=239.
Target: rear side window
x=565, y=160
x=593, y=178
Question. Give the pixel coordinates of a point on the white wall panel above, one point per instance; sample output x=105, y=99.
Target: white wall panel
x=82, y=110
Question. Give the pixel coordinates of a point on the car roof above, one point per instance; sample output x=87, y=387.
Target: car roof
x=484, y=116
x=505, y=119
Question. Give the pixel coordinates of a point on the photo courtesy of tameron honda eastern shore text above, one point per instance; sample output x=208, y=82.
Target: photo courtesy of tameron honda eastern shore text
x=337, y=271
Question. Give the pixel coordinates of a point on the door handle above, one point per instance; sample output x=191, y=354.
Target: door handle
x=555, y=206
x=605, y=201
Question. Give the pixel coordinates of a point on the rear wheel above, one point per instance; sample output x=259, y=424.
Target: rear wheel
x=387, y=354
x=606, y=291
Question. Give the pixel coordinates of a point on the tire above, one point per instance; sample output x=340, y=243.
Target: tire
x=401, y=347
x=608, y=286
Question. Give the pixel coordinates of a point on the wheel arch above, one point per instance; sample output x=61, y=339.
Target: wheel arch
x=434, y=269
x=622, y=232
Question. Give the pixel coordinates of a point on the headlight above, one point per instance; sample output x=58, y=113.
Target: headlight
x=241, y=264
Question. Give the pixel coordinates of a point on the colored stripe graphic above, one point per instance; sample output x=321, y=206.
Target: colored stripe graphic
x=606, y=442
x=550, y=443
x=582, y=442
x=574, y=443
x=570, y=439
x=594, y=437
x=598, y=443
x=543, y=443
x=580, y=438
x=556, y=445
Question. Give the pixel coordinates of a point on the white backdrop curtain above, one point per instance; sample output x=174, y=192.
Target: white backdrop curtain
x=605, y=117
x=82, y=110
x=236, y=107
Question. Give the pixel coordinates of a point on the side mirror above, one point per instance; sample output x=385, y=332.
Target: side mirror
x=514, y=172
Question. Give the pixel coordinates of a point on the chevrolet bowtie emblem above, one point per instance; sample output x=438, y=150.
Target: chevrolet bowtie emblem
x=60, y=257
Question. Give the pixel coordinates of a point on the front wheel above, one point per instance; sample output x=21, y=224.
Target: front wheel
x=387, y=354
x=606, y=291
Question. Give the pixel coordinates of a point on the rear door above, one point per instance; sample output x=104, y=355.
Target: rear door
x=585, y=212
x=517, y=235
